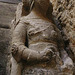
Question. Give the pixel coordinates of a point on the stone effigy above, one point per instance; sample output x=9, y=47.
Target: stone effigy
x=37, y=43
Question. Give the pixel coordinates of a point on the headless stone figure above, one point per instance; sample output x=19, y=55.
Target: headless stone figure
x=44, y=38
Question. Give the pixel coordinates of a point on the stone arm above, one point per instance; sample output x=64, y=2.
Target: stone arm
x=20, y=51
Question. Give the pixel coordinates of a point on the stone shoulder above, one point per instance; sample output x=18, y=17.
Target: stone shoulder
x=24, y=19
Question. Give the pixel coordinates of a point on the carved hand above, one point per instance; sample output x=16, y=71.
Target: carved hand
x=14, y=49
x=16, y=52
x=46, y=55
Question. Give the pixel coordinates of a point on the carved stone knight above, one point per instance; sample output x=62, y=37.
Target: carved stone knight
x=37, y=40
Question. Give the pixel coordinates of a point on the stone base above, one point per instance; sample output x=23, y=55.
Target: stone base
x=43, y=71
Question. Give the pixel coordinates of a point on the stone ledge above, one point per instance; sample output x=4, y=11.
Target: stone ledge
x=7, y=13
x=10, y=1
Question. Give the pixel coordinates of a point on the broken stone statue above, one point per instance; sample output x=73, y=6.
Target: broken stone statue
x=37, y=43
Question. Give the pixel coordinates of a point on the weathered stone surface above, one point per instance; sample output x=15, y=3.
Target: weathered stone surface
x=64, y=11
x=11, y=1
x=4, y=43
x=7, y=12
x=42, y=36
x=6, y=15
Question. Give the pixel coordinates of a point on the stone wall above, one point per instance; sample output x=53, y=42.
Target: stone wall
x=64, y=12
x=7, y=12
x=10, y=1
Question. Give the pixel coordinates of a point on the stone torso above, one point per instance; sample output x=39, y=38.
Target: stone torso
x=42, y=34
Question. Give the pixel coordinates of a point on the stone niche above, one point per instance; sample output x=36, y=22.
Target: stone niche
x=7, y=13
